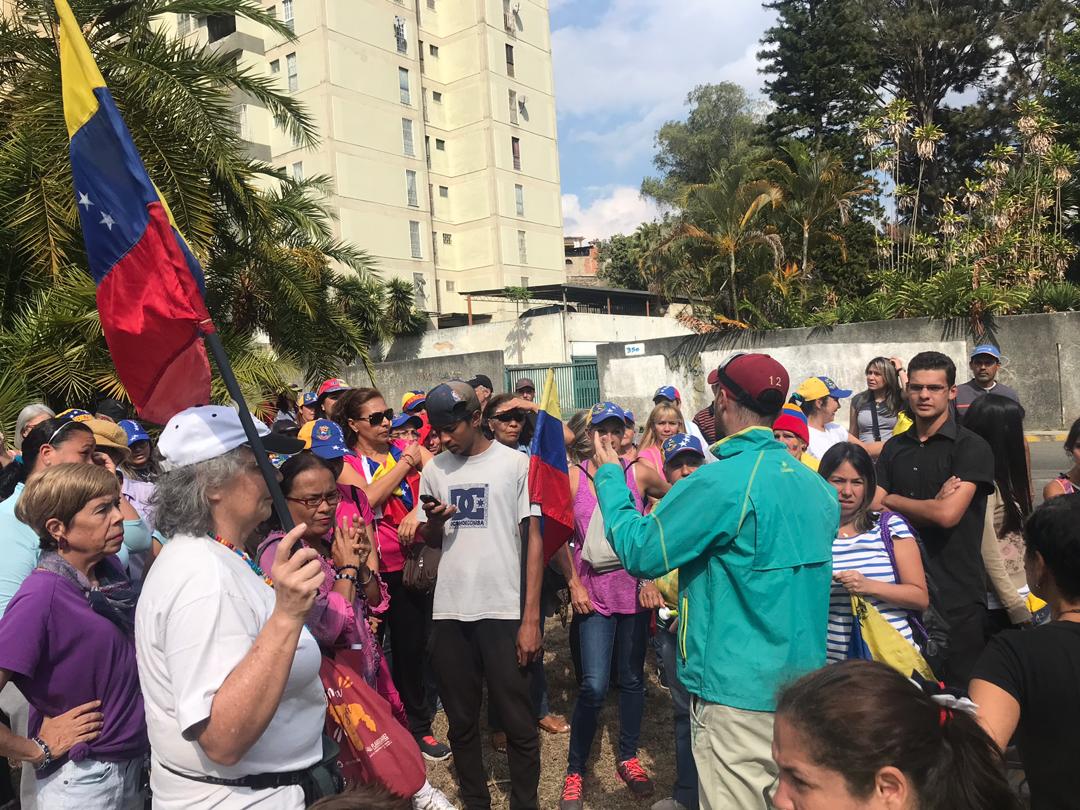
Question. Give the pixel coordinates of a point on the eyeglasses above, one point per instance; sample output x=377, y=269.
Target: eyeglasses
x=376, y=419
x=936, y=388
x=515, y=415
x=315, y=500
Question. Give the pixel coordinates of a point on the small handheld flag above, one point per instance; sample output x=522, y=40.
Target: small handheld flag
x=549, y=478
x=149, y=285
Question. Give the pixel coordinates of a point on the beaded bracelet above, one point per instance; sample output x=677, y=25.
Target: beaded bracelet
x=45, y=763
x=339, y=569
x=348, y=577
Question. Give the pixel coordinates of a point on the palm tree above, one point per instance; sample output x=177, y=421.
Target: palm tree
x=718, y=224
x=925, y=138
x=816, y=189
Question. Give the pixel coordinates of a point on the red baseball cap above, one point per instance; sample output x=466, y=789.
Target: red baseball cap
x=756, y=381
x=331, y=386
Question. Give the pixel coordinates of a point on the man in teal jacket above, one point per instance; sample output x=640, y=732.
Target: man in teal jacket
x=752, y=538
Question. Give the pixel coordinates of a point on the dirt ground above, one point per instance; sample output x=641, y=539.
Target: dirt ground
x=603, y=788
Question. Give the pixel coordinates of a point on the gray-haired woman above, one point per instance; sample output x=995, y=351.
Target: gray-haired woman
x=230, y=676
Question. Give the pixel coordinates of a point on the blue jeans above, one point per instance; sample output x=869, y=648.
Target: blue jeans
x=685, y=791
x=627, y=634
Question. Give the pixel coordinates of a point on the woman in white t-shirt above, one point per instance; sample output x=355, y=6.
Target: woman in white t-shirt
x=861, y=562
x=819, y=398
x=229, y=673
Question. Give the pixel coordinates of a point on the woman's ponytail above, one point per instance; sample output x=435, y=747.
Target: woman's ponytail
x=970, y=770
x=10, y=477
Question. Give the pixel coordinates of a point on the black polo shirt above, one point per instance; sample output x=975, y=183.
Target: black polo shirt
x=914, y=469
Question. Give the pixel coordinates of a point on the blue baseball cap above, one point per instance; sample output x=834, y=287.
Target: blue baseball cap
x=309, y=399
x=602, y=411
x=986, y=348
x=681, y=443
x=629, y=416
x=668, y=392
x=135, y=432
x=403, y=419
x=327, y=440
x=819, y=387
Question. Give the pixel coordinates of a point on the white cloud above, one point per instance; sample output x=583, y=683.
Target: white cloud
x=628, y=70
x=621, y=210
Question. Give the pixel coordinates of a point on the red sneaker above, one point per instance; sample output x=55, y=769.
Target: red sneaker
x=571, y=793
x=635, y=777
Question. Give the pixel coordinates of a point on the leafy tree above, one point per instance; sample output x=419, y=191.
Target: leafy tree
x=620, y=262
x=723, y=126
x=822, y=71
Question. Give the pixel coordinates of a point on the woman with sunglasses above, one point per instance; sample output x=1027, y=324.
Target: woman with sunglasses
x=388, y=473
x=505, y=421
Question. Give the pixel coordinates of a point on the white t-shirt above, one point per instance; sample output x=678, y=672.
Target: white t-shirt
x=822, y=440
x=694, y=430
x=200, y=610
x=480, y=570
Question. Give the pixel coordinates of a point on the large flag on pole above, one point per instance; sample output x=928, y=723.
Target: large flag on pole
x=549, y=478
x=149, y=285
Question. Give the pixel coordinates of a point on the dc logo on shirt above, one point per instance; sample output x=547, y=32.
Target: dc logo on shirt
x=471, y=503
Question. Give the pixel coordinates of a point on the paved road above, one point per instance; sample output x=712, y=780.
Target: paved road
x=1047, y=460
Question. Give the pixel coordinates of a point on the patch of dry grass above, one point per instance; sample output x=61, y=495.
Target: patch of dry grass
x=603, y=788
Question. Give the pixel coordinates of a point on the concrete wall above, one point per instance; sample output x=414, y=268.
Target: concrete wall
x=1041, y=360
x=395, y=378
x=550, y=338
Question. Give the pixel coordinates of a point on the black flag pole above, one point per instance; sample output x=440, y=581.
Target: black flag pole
x=269, y=474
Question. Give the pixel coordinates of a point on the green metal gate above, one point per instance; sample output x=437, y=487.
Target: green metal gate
x=578, y=382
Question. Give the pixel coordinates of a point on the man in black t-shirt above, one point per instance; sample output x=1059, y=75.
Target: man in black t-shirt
x=1027, y=683
x=938, y=475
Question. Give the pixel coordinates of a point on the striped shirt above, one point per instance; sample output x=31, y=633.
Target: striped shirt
x=864, y=553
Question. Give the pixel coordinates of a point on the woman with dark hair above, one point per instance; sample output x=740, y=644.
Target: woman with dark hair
x=874, y=411
x=389, y=475
x=67, y=642
x=819, y=399
x=504, y=422
x=1027, y=683
x=1000, y=421
x=862, y=563
x=861, y=735
x=1067, y=483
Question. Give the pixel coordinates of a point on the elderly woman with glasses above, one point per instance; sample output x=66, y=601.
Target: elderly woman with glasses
x=388, y=473
x=234, y=705
x=66, y=642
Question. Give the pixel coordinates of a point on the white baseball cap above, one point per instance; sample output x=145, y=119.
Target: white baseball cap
x=208, y=431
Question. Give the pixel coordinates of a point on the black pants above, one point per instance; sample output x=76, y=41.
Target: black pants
x=409, y=618
x=464, y=654
x=967, y=640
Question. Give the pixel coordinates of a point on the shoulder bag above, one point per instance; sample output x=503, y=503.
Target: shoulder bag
x=596, y=549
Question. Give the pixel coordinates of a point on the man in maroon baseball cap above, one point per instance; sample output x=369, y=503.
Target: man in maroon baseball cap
x=752, y=538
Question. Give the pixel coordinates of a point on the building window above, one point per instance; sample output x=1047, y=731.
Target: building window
x=519, y=199
x=431, y=4
x=298, y=171
x=403, y=85
x=436, y=96
x=295, y=140
x=447, y=239
x=414, y=239
x=433, y=50
x=287, y=14
x=427, y=151
x=275, y=66
x=515, y=150
x=449, y=286
x=509, y=60
x=292, y=72
x=440, y=144
x=400, y=35
x=410, y=188
x=444, y=191
x=407, y=138
x=185, y=23
x=513, y=106
x=525, y=282
x=419, y=284
x=523, y=254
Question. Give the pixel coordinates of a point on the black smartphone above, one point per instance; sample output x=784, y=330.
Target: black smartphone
x=425, y=498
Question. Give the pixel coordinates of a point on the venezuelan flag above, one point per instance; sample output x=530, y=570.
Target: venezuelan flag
x=549, y=477
x=149, y=285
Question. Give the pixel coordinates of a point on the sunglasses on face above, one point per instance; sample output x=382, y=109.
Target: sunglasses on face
x=514, y=415
x=376, y=419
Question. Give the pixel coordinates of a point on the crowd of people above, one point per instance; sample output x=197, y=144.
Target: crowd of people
x=873, y=615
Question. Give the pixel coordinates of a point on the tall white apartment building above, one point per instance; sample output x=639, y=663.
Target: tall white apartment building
x=437, y=125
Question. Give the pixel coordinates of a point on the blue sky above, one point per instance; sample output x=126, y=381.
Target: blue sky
x=623, y=68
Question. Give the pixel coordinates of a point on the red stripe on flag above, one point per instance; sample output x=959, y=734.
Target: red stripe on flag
x=153, y=318
x=550, y=487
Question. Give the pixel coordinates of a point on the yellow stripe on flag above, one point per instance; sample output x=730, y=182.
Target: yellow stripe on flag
x=79, y=73
x=550, y=400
